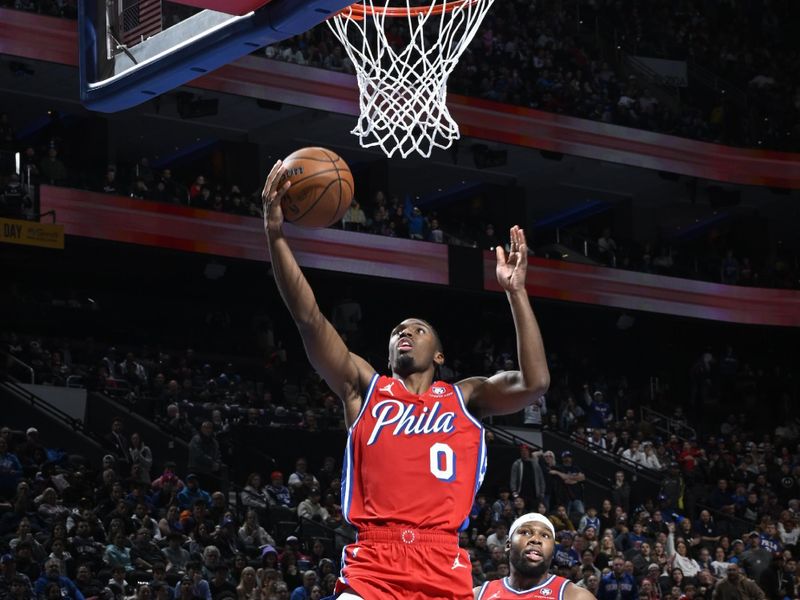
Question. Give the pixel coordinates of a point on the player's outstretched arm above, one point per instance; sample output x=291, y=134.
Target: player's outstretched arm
x=511, y=391
x=347, y=374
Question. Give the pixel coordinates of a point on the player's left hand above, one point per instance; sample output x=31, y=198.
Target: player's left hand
x=275, y=188
x=512, y=268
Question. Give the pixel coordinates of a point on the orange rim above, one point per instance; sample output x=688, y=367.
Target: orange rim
x=358, y=10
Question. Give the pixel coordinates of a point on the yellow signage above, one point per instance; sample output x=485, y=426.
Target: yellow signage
x=29, y=233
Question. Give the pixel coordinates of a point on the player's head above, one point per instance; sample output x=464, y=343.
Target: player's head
x=414, y=346
x=530, y=545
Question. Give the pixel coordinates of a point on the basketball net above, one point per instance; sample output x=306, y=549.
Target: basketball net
x=403, y=91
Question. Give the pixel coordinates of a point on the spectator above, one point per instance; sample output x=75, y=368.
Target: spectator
x=678, y=554
x=651, y=460
x=118, y=554
x=8, y=565
x=297, y=479
x=416, y=220
x=310, y=508
x=435, y=233
x=634, y=453
x=756, y=559
x=607, y=248
x=177, y=557
x=564, y=554
x=706, y=530
x=220, y=585
x=252, y=535
x=534, y=413
x=145, y=553
x=735, y=586
x=204, y=454
x=141, y=457
x=50, y=508
x=354, y=219
x=599, y=411
x=197, y=586
x=191, y=493
x=87, y=583
x=51, y=169
x=569, y=484
x=617, y=585
x=621, y=492
x=527, y=478
x=499, y=536
x=278, y=494
x=85, y=549
x=52, y=575
x=115, y=441
x=303, y=592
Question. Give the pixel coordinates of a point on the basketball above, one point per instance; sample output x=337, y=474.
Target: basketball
x=321, y=190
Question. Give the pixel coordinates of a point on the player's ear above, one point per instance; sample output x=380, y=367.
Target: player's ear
x=438, y=358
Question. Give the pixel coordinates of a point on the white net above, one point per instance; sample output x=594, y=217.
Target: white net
x=402, y=65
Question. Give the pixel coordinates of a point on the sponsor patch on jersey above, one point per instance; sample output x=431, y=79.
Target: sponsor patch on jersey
x=438, y=390
x=546, y=592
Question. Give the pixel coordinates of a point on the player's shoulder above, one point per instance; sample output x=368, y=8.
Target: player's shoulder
x=470, y=384
x=482, y=591
x=573, y=592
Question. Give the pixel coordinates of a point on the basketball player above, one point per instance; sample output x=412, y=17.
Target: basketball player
x=530, y=548
x=415, y=454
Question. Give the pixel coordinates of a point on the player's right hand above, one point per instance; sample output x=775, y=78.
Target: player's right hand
x=274, y=190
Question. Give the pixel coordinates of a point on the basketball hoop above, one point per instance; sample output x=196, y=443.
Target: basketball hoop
x=403, y=90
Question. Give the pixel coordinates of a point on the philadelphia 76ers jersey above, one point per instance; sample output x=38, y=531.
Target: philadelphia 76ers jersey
x=412, y=460
x=553, y=588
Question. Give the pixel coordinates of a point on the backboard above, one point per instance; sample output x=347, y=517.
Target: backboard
x=126, y=57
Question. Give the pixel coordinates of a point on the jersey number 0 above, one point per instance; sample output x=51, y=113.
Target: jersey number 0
x=443, y=462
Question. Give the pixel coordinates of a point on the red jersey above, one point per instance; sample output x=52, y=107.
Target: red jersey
x=412, y=460
x=499, y=589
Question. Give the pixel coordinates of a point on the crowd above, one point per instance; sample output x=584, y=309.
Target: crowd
x=131, y=525
x=150, y=522
x=392, y=215
x=744, y=43
x=564, y=57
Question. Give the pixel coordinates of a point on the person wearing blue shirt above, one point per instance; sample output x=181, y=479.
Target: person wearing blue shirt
x=618, y=585
x=770, y=540
x=194, y=578
x=303, y=592
x=565, y=555
x=52, y=574
x=599, y=414
x=192, y=492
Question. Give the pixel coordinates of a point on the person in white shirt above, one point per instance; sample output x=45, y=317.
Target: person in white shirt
x=634, y=453
x=650, y=458
x=719, y=564
x=500, y=535
x=533, y=414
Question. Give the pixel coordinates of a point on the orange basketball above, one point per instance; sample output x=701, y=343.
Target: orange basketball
x=321, y=190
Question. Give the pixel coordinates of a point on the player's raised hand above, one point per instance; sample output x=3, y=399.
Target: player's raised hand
x=512, y=268
x=274, y=190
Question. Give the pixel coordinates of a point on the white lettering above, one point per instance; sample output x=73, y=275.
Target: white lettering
x=406, y=422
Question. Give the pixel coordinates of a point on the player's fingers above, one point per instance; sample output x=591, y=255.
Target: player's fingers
x=501, y=254
x=514, y=235
x=274, y=175
x=280, y=191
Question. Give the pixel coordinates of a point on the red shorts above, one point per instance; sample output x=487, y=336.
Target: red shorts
x=409, y=563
